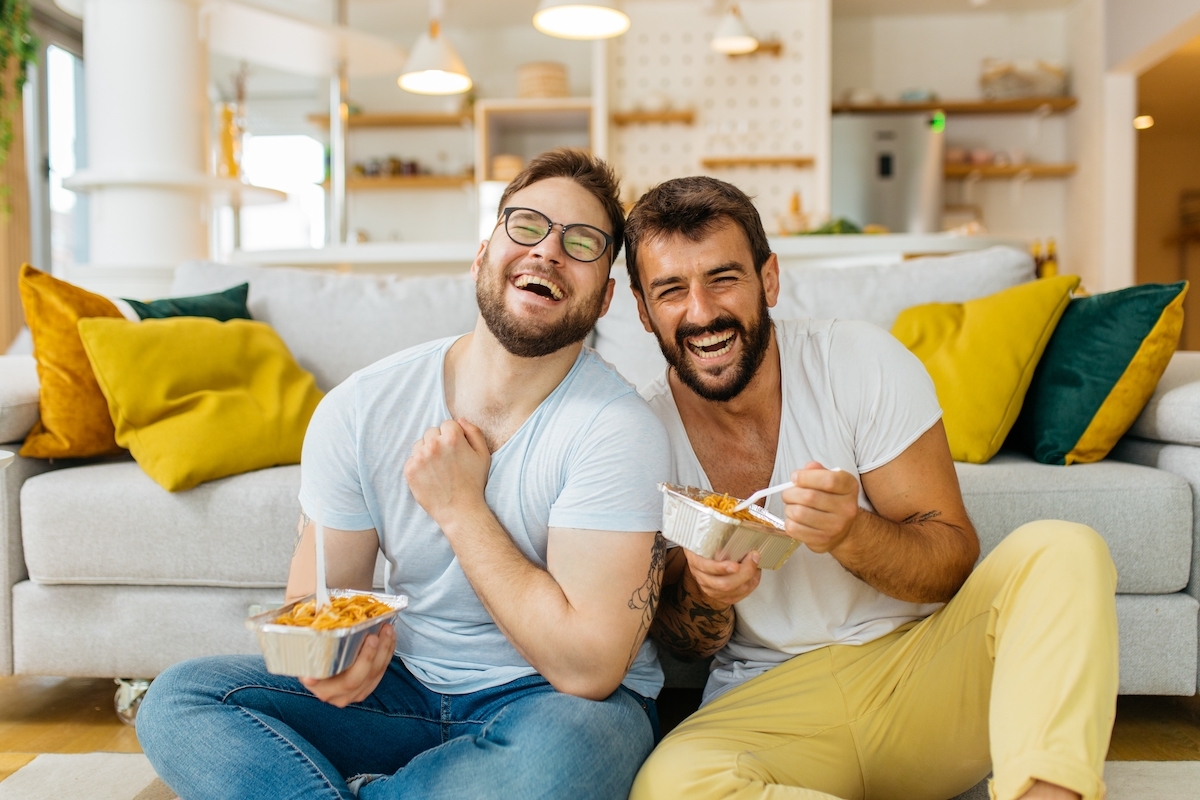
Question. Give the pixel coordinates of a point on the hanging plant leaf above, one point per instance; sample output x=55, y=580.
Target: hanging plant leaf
x=17, y=43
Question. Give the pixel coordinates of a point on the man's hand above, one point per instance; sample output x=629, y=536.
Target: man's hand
x=821, y=507
x=355, y=684
x=720, y=584
x=448, y=469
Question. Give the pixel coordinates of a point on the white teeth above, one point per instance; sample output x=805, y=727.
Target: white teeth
x=712, y=338
x=697, y=345
x=524, y=280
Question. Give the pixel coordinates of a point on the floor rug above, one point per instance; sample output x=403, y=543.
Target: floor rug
x=125, y=776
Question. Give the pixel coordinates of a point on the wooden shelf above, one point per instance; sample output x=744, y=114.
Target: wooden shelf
x=685, y=115
x=409, y=182
x=1024, y=105
x=716, y=162
x=398, y=120
x=1013, y=171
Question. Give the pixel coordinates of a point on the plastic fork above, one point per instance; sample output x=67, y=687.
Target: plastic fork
x=761, y=493
x=322, y=588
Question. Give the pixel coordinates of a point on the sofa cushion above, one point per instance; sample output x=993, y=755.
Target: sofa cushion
x=110, y=523
x=1144, y=514
x=335, y=323
x=876, y=293
x=18, y=397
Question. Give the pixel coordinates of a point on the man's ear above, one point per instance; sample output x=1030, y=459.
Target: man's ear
x=478, y=262
x=608, y=296
x=643, y=314
x=770, y=280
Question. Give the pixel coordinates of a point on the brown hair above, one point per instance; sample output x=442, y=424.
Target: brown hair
x=692, y=207
x=593, y=176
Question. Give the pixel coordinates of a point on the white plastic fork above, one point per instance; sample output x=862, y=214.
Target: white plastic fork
x=322, y=588
x=761, y=493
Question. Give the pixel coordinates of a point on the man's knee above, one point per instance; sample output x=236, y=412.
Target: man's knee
x=682, y=766
x=190, y=683
x=1077, y=549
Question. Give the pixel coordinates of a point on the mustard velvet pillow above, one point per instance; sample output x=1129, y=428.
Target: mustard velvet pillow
x=73, y=415
x=981, y=355
x=195, y=399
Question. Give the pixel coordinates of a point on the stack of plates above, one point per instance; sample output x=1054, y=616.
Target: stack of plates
x=542, y=79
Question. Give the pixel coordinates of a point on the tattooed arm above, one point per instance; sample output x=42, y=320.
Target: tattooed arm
x=695, y=618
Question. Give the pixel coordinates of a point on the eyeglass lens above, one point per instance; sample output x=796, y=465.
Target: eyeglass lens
x=581, y=242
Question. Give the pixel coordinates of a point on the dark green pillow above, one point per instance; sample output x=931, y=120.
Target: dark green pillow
x=222, y=306
x=1099, y=370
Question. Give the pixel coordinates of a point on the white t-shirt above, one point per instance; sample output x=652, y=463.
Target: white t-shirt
x=570, y=465
x=854, y=398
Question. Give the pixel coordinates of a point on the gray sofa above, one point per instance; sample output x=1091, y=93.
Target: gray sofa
x=106, y=574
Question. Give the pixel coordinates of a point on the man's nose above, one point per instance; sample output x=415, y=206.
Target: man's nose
x=550, y=249
x=701, y=307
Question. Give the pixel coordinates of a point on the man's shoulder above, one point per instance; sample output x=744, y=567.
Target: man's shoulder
x=421, y=359
x=614, y=404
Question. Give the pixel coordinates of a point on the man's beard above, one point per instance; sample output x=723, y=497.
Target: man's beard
x=755, y=342
x=528, y=338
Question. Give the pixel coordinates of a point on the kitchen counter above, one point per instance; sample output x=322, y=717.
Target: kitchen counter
x=421, y=258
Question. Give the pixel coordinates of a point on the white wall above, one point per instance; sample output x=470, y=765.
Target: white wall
x=1142, y=32
x=943, y=53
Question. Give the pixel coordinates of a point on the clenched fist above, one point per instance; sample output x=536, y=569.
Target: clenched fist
x=448, y=469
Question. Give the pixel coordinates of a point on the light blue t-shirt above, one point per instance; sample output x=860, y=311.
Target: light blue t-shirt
x=589, y=457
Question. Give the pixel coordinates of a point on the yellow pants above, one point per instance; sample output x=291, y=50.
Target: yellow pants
x=1016, y=674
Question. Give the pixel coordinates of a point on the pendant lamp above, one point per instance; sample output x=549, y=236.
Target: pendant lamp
x=732, y=37
x=433, y=67
x=581, y=19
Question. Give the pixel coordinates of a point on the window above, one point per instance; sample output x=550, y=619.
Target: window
x=65, y=153
x=293, y=164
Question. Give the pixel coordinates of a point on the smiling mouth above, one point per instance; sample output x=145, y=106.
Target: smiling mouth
x=712, y=345
x=540, y=286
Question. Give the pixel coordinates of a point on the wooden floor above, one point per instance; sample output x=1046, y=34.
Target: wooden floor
x=63, y=715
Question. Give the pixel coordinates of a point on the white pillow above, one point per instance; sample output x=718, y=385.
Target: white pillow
x=18, y=397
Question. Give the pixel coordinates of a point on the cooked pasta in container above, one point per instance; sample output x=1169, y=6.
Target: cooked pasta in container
x=296, y=640
x=700, y=521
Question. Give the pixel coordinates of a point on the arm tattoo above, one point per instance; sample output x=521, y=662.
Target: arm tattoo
x=913, y=518
x=645, y=597
x=689, y=629
x=304, y=521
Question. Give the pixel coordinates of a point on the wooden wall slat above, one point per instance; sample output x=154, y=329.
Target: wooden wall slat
x=15, y=243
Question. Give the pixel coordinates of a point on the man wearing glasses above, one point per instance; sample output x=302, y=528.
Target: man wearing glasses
x=518, y=525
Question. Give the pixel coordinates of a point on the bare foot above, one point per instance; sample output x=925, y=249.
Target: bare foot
x=1049, y=791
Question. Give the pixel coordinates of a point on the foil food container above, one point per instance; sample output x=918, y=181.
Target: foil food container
x=306, y=653
x=707, y=532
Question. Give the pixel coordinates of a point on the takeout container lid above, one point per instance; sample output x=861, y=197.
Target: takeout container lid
x=308, y=653
x=707, y=532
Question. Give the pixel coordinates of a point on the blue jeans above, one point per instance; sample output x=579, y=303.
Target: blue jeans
x=224, y=727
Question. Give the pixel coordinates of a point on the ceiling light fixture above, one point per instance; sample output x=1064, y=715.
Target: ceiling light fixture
x=581, y=19
x=733, y=38
x=433, y=67
x=1142, y=122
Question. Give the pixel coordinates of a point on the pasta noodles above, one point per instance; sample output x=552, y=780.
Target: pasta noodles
x=342, y=612
x=725, y=504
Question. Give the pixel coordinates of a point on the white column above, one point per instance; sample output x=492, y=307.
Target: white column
x=144, y=67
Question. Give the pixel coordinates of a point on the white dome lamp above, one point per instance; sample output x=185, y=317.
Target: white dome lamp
x=433, y=67
x=581, y=19
x=732, y=37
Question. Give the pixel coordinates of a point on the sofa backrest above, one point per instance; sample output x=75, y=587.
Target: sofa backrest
x=336, y=323
x=876, y=293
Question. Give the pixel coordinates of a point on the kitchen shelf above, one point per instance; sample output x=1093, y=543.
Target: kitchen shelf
x=398, y=120
x=716, y=162
x=1012, y=171
x=685, y=115
x=410, y=182
x=1024, y=105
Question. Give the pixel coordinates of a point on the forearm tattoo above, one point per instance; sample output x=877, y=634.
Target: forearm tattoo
x=300, y=527
x=645, y=597
x=689, y=629
x=928, y=515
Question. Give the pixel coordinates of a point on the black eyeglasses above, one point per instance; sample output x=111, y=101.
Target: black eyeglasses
x=581, y=242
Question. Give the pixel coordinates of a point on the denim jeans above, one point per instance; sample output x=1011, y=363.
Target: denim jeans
x=224, y=727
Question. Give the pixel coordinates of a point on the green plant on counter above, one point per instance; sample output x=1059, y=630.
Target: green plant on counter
x=835, y=226
x=16, y=42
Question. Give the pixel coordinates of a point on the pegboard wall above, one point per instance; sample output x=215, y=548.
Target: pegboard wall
x=756, y=105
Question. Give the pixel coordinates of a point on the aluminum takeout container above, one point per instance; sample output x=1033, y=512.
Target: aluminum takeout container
x=306, y=653
x=707, y=532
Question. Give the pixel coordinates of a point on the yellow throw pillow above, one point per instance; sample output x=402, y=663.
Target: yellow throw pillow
x=195, y=399
x=981, y=355
x=73, y=415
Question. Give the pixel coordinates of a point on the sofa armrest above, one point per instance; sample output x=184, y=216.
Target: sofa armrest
x=12, y=552
x=1173, y=413
x=1182, y=460
x=18, y=397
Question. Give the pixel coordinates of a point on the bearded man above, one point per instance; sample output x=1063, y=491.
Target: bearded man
x=874, y=663
x=519, y=527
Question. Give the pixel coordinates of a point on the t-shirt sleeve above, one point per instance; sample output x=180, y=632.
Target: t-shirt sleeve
x=612, y=477
x=329, y=465
x=883, y=392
